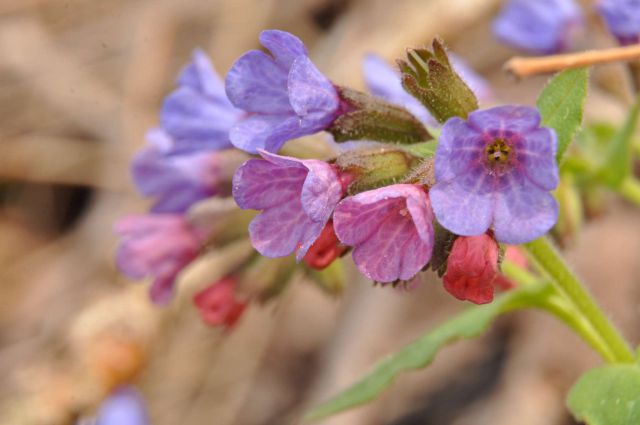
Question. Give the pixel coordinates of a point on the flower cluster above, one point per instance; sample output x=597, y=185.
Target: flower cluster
x=186, y=160
x=488, y=183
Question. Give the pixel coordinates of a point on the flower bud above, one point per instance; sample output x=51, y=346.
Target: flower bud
x=325, y=249
x=219, y=304
x=472, y=268
x=430, y=77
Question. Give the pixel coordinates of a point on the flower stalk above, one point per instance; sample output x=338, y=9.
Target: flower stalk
x=547, y=257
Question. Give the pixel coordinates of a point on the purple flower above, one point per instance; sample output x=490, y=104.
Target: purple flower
x=496, y=170
x=622, y=18
x=198, y=116
x=177, y=181
x=158, y=246
x=296, y=197
x=538, y=26
x=124, y=407
x=284, y=93
x=384, y=81
x=391, y=230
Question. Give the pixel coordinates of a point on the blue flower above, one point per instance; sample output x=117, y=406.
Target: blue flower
x=284, y=94
x=622, y=18
x=538, y=26
x=176, y=181
x=197, y=115
x=496, y=170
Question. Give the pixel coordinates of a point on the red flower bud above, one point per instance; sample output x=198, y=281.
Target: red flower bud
x=325, y=249
x=472, y=268
x=218, y=303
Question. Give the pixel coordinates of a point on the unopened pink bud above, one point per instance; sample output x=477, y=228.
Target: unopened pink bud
x=219, y=304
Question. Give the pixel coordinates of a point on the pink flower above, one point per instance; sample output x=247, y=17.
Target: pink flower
x=472, y=268
x=391, y=230
x=157, y=246
x=219, y=304
x=296, y=197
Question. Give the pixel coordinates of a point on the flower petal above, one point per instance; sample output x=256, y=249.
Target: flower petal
x=285, y=47
x=311, y=95
x=195, y=122
x=460, y=148
x=259, y=184
x=280, y=230
x=321, y=191
x=256, y=83
x=502, y=120
x=464, y=205
x=523, y=211
x=201, y=76
x=538, y=155
x=268, y=132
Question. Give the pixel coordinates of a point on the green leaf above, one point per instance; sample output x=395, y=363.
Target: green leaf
x=561, y=104
x=421, y=353
x=608, y=395
x=618, y=159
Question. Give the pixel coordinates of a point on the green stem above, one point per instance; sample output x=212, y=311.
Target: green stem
x=561, y=308
x=630, y=190
x=550, y=261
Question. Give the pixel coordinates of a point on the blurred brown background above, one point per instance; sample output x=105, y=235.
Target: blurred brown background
x=80, y=83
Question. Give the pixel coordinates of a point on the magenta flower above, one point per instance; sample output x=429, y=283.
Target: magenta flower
x=177, y=181
x=622, y=18
x=284, y=93
x=198, y=116
x=296, y=197
x=384, y=81
x=539, y=26
x=390, y=230
x=157, y=246
x=496, y=170
x=124, y=407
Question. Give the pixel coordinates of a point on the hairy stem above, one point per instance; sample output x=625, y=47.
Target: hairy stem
x=568, y=285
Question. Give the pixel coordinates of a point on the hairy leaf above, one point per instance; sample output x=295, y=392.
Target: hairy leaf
x=608, y=395
x=561, y=104
x=421, y=353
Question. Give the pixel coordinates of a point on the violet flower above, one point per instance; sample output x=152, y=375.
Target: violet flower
x=283, y=92
x=157, y=246
x=390, y=229
x=539, y=26
x=296, y=197
x=622, y=18
x=124, y=407
x=198, y=116
x=496, y=170
x=384, y=81
x=176, y=181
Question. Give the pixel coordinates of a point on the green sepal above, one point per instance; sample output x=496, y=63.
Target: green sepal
x=442, y=244
x=430, y=78
x=331, y=279
x=371, y=118
x=374, y=168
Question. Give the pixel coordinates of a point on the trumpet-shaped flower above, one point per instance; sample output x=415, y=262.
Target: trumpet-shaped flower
x=176, y=181
x=198, y=115
x=390, y=230
x=296, y=197
x=283, y=93
x=157, y=246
